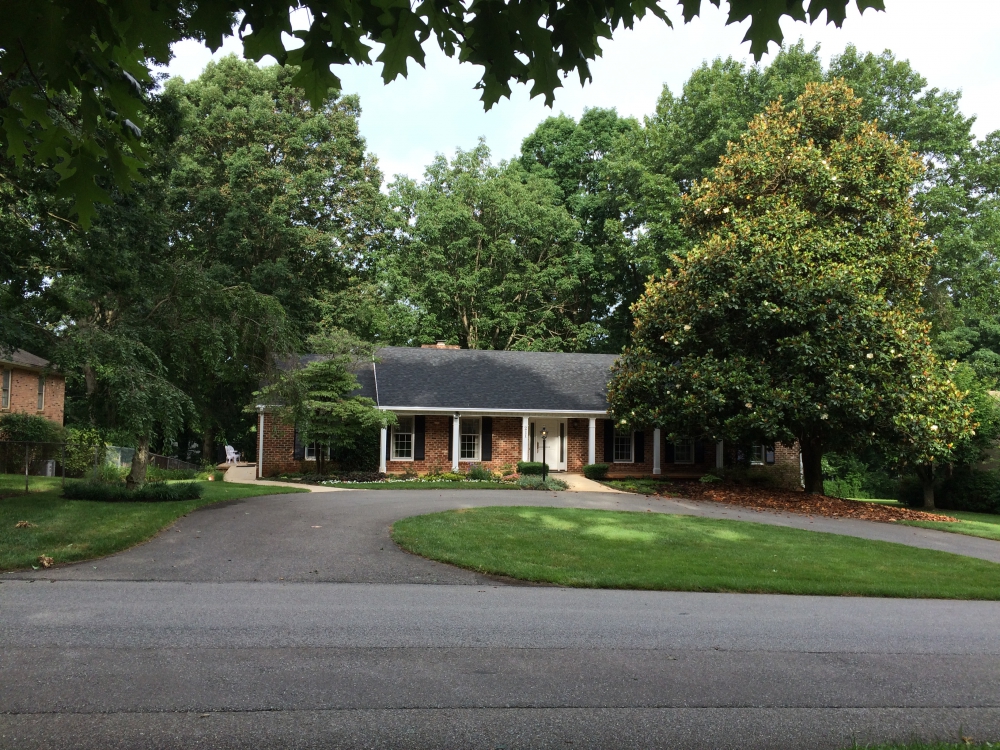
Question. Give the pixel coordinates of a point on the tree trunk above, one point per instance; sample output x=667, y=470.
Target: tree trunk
x=208, y=446
x=812, y=465
x=140, y=460
x=926, y=474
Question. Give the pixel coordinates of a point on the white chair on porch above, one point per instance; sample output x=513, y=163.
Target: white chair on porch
x=232, y=455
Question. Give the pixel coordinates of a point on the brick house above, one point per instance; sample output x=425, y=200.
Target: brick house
x=462, y=407
x=29, y=385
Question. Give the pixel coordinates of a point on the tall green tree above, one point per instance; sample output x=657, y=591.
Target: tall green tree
x=580, y=159
x=97, y=55
x=488, y=257
x=795, y=316
x=314, y=393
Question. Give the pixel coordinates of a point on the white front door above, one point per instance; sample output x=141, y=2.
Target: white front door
x=555, y=447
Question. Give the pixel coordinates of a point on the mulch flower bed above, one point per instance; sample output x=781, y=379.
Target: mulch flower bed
x=758, y=498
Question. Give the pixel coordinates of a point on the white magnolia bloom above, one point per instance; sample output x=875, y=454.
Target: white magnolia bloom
x=869, y=355
x=824, y=416
x=933, y=428
x=725, y=210
x=687, y=328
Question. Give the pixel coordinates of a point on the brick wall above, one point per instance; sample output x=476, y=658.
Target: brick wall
x=506, y=447
x=24, y=394
x=577, y=438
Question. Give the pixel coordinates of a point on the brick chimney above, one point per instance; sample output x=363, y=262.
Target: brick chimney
x=440, y=345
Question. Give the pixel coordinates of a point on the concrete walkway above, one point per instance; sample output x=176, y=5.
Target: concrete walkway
x=580, y=483
x=247, y=474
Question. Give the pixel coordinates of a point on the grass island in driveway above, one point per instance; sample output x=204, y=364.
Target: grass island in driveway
x=76, y=530
x=656, y=551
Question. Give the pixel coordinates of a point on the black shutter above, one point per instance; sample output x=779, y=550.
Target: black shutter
x=531, y=441
x=769, y=455
x=699, y=451
x=388, y=444
x=451, y=436
x=419, y=428
x=609, y=441
x=298, y=449
x=668, y=452
x=639, y=447
x=486, y=454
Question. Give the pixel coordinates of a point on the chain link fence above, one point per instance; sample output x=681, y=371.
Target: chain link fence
x=32, y=458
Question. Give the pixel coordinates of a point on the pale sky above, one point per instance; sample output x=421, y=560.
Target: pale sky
x=953, y=44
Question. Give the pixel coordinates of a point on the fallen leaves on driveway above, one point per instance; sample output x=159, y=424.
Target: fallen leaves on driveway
x=758, y=498
x=45, y=561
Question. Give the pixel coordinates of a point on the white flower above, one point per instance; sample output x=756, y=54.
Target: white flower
x=933, y=428
x=749, y=405
x=850, y=367
x=869, y=355
x=687, y=328
x=824, y=416
x=677, y=343
x=725, y=210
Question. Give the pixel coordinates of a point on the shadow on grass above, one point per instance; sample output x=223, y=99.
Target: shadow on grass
x=615, y=549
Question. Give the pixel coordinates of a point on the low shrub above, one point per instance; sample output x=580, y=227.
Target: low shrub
x=480, y=473
x=153, y=492
x=342, y=476
x=450, y=476
x=969, y=489
x=535, y=482
x=596, y=471
x=709, y=479
x=108, y=474
x=531, y=467
x=155, y=474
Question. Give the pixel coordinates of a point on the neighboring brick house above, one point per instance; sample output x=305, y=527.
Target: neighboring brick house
x=462, y=407
x=29, y=385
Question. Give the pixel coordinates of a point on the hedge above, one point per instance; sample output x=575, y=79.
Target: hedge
x=596, y=471
x=153, y=492
x=531, y=467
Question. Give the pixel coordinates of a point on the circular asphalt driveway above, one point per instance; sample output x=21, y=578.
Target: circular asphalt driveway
x=292, y=621
x=343, y=537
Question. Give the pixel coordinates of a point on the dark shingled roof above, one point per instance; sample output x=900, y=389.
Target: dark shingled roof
x=21, y=357
x=479, y=380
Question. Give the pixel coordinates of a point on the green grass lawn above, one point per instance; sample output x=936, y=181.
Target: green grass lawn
x=611, y=549
x=639, y=486
x=73, y=530
x=985, y=525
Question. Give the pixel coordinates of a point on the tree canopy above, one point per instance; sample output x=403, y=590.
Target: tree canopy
x=73, y=74
x=795, y=316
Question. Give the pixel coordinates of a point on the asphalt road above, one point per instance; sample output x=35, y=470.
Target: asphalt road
x=194, y=640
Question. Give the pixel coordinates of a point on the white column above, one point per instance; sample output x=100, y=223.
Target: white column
x=456, y=441
x=656, y=450
x=592, y=441
x=719, y=455
x=525, y=439
x=260, y=447
x=381, y=450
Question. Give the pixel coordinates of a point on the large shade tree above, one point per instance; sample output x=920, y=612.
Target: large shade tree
x=76, y=69
x=488, y=257
x=795, y=316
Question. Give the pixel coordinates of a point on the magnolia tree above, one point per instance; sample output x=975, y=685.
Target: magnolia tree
x=795, y=316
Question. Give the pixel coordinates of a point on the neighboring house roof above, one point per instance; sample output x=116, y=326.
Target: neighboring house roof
x=477, y=380
x=24, y=359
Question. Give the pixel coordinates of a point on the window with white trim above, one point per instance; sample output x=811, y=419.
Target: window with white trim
x=684, y=452
x=402, y=440
x=310, y=452
x=756, y=455
x=41, y=392
x=5, y=393
x=623, y=446
x=471, y=439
